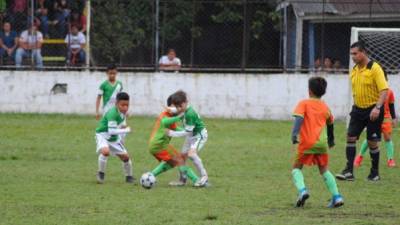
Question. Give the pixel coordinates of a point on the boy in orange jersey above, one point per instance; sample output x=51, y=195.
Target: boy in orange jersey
x=312, y=117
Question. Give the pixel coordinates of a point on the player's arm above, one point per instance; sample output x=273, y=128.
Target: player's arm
x=98, y=100
x=114, y=130
x=168, y=121
x=330, y=131
x=173, y=133
x=298, y=121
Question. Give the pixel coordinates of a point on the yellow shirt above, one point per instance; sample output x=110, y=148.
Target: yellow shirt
x=367, y=83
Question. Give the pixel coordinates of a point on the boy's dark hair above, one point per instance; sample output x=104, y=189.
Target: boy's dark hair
x=111, y=67
x=360, y=45
x=122, y=96
x=317, y=86
x=178, y=98
x=169, y=101
x=171, y=50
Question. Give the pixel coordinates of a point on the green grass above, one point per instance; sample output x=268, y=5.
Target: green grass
x=48, y=165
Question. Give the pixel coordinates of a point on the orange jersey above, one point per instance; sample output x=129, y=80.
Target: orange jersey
x=313, y=136
x=389, y=100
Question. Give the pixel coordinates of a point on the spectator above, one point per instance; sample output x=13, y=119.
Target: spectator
x=42, y=13
x=317, y=64
x=328, y=65
x=78, y=20
x=337, y=66
x=170, y=61
x=18, y=14
x=60, y=14
x=8, y=42
x=76, y=42
x=30, y=43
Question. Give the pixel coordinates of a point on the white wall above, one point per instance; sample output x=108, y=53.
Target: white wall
x=213, y=95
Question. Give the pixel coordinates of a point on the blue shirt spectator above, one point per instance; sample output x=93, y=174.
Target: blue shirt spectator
x=8, y=41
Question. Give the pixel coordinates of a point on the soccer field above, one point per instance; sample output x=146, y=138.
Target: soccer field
x=48, y=165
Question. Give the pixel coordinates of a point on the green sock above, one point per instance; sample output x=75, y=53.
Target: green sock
x=330, y=182
x=161, y=168
x=389, y=149
x=364, y=148
x=189, y=172
x=298, y=179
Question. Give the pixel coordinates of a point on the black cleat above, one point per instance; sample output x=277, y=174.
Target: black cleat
x=301, y=200
x=373, y=175
x=346, y=174
x=100, y=177
x=130, y=179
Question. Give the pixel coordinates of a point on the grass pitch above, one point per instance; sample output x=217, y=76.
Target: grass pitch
x=48, y=165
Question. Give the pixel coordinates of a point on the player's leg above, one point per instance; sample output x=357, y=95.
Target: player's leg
x=298, y=180
x=118, y=149
x=182, y=176
x=363, y=150
x=103, y=151
x=329, y=180
x=374, y=133
x=197, y=144
x=169, y=158
x=356, y=126
x=127, y=167
x=387, y=136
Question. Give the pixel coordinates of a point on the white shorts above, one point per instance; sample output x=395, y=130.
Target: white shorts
x=116, y=148
x=195, y=142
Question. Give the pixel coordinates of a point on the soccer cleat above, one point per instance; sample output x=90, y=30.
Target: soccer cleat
x=358, y=160
x=373, y=175
x=303, y=196
x=178, y=183
x=391, y=163
x=130, y=179
x=336, y=201
x=202, y=182
x=346, y=174
x=100, y=177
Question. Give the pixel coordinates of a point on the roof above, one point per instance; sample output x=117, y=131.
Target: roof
x=347, y=9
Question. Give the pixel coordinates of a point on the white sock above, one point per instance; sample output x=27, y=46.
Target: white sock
x=102, y=163
x=199, y=165
x=127, y=166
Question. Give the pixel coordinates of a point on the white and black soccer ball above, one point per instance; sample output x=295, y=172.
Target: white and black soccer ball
x=148, y=180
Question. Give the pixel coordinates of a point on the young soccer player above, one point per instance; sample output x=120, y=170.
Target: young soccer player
x=163, y=151
x=312, y=117
x=196, y=136
x=108, y=91
x=108, y=138
x=389, y=122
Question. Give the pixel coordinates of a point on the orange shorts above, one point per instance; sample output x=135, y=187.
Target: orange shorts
x=312, y=159
x=386, y=127
x=167, y=154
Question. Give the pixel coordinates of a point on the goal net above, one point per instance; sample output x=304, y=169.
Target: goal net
x=382, y=44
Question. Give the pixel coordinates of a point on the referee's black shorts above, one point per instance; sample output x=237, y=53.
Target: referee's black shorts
x=360, y=119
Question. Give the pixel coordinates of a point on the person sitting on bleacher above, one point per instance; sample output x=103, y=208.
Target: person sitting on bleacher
x=76, y=42
x=30, y=44
x=8, y=42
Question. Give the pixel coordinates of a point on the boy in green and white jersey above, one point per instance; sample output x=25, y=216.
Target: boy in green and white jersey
x=108, y=90
x=108, y=138
x=195, y=133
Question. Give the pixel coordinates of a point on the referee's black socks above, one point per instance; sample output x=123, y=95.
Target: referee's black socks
x=374, y=152
x=350, y=155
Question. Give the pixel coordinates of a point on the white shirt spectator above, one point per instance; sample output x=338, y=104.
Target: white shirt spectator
x=165, y=61
x=75, y=41
x=31, y=38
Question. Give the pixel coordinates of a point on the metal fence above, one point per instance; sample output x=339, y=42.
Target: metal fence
x=207, y=35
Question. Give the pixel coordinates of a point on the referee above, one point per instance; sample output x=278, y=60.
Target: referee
x=369, y=89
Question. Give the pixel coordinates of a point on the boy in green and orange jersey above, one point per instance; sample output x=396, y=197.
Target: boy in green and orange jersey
x=160, y=147
x=312, y=117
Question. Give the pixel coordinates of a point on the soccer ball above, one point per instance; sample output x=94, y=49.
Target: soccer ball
x=148, y=180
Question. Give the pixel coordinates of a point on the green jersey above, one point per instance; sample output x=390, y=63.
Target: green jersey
x=159, y=140
x=109, y=92
x=192, y=121
x=112, y=119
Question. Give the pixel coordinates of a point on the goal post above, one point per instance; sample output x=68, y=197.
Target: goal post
x=382, y=45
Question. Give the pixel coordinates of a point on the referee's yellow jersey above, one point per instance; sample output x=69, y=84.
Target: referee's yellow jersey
x=367, y=83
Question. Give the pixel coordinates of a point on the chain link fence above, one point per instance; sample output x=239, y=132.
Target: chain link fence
x=206, y=35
